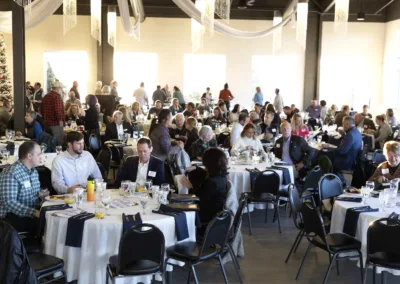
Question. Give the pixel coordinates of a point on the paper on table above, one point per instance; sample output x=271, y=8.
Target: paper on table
x=66, y=213
x=181, y=188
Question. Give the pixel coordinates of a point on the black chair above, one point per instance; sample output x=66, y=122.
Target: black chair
x=310, y=188
x=213, y=245
x=333, y=244
x=116, y=158
x=104, y=158
x=20, y=264
x=141, y=252
x=383, y=247
x=378, y=157
x=329, y=187
x=169, y=174
x=45, y=179
x=94, y=144
x=266, y=190
x=295, y=205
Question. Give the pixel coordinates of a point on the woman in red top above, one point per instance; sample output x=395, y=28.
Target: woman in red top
x=298, y=128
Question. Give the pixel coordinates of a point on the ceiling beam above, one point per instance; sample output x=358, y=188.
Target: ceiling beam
x=329, y=6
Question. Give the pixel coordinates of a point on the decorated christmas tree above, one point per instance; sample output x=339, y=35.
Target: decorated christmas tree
x=5, y=77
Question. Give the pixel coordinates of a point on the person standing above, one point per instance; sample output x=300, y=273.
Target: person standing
x=75, y=90
x=324, y=110
x=166, y=92
x=278, y=102
x=159, y=95
x=52, y=110
x=141, y=95
x=258, y=97
x=37, y=96
x=207, y=95
x=114, y=91
x=178, y=95
x=226, y=96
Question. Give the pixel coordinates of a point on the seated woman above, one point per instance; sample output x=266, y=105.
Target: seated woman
x=204, y=107
x=212, y=193
x=192, y=133
x=204, y=142
x=248, y=140
x=390, y=169
x=105, y=90
x=136, y=110
x=73, y=114
x=33, y=128
x=298, y=128
x=391, y=119
x=175, y=107
x=330, y=115
x=155, y=110
x=125, y=115
x=383, y=132
x=234, y=114
x=215, y=118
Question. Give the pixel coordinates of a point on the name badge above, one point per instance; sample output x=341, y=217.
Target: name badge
x=316, y=109
x=365, y=126
x=152, y=174
x=274, y=130
x=278, y=145
x=27, y=184
x=385, y=171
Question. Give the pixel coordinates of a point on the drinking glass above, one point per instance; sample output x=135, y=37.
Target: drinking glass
x=148, y=185
x=383, y=200
x=233, y=160
x=43, y=193
x=106, y=201
x=141, y=134
x=6, y=155
x=99, y=212
x=155, y=189
x=121, y=137
x=43, y=147
x=69, y=199
x=392, y=195
x=143, y=199
x=126, y=137
x=58, y=150
x=135, y=135
x=365, y=194
x=124, y=187
x=370, y=185
x=78, y=196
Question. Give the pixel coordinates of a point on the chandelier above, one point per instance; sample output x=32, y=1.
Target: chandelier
x=341, y=15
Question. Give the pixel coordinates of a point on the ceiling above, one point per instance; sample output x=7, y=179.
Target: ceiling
x=262, y=9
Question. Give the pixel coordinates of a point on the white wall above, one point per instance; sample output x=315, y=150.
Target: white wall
x=351, y=65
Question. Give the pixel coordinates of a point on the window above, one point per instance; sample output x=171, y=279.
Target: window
x=202, y=71
x=132, y=68
x=62, y=66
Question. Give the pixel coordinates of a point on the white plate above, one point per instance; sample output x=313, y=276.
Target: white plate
x=47, y=198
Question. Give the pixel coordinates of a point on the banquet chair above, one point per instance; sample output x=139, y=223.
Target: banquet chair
x=378, y=157
x=329, y=187
x=383, y=247
x=104, y=157
x=265, y=190
x=310, y=188
x=334, y=244
x=213, y=245
x=116, y=158
x=94, y=144
x=141, y=252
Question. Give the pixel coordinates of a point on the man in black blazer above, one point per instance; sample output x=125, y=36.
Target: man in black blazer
x=364, y=122
x=142, y=167
x=293, y=149
x=118, y=127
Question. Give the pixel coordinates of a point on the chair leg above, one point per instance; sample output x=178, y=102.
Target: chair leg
x=194, y=275
x=304, y=259
x=374, y=274
x=361, y=266
x=223, y=269
x=293, y=246
x=279, y=219
x=235, y=263
x=298, y=243
x=383, y=277
x=248, y=215
x=266, y=214
x=365, y=272
x=337, y=267
x=190, y=273
x=329, y=268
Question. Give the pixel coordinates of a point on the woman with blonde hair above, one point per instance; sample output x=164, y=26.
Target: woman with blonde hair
x=248, y=140
x=125, y=115
x=105, y=90
x=330, y=115
x=74, y=114
x=97, y=91
x=389, y=169
x=136, y=110
x=298, y=127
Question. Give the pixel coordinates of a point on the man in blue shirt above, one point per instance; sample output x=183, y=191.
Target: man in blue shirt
x=258, y=97
x=314, y=110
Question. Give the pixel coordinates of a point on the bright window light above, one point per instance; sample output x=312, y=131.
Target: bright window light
x=61, y=65
x=132, y=68
x=202, y=71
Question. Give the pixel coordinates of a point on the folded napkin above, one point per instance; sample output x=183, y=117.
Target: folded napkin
x=349, y=199
x=285, y=174
x=351, y=219
x=66, y=213
x=44, y=209
x=128, y=221
x=181, y=228
x=394, y=219
x=119, y=203
x=75, y=228
x=183, y=198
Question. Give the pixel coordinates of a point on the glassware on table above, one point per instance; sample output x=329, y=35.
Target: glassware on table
x=106, y=201
x=69, y=199
x=135, y=135
x=43, y=147
x=155, y=189
x=78, y=192
x=43, y=193
x=132, y=188
x=365, y=194
x=99, y=212
x=141, y=134
x=370, y=185
x=58, y=150
x=124, y=189
x=143, y=199
x=319, y=139
x=126, y=137
x=383, y=199
x=233, y=159
x=6, y=155
x=148, y=184
x=392, y=195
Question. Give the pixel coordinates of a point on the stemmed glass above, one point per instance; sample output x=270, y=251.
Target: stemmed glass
x=383, y=200
x=370, y=185
x=365, y=194
x=106, y=201
x=148, y=185
x=78, y=196
x=143, y=199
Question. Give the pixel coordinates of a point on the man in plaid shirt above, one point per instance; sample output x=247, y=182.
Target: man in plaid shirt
x=19, y=190
x=52, y=110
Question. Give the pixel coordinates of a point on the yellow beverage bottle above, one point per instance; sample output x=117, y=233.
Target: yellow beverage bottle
x=90, y=188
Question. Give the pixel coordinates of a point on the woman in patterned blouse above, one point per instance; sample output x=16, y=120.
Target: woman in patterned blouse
x=390, y=169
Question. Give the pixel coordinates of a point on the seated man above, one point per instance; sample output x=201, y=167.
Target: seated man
x=293, y=149
x=238, y=127
x=344, y=157
x=71, y=168
x=117, y=127
x=364, y=122
x=155, y=110
x=178, y=130
x=19, y=190
x=142, y=167
x=288, y=112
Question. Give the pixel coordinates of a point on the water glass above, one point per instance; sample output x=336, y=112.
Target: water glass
x=132, y=187
x=58, y=150
x=383, y=199
x=135, y=135
x=6, y=155
x=141, y=134
x=124, y=187
x=155, y=189
x=126, y=137
x=99, y=212
x=43, y=147
x=106, y=201
x=148, y=185
x=78, y=192
x=143, y=199
x=121, y=137
x=365, y=194
x=392, y=195
x=370, y=185
x=43, y=193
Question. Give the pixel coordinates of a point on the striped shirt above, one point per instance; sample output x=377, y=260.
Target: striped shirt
x=19, y=190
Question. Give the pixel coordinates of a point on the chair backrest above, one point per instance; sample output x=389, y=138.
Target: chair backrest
x=116, y=154
x=45, y=179
x=378, y=157
x=217, y=232
x=104, y=157
x=383, y=236
x=169, y=175
x=266, y=182
x=325, y=164
x=237, y=219
x=313, y=222
x=329, y=186
x=141, y=242
x=94, y=143
x=312, y=179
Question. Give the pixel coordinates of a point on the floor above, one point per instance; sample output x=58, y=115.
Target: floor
x=265, y=254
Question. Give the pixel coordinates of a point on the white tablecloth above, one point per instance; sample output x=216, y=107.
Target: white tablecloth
x=101, y=240
x=365, y=219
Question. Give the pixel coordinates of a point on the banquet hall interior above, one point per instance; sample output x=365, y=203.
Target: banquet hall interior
x=199, y=141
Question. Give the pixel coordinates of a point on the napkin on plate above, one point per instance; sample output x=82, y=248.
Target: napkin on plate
x=349, y=199
x=128, y=221
x=75, y=227
x=44, y=209
x=181, y=228
x=351, y=219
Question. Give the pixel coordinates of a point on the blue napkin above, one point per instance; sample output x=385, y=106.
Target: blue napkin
x=181, y=228
x=42, y=217
x=349, y=199
x=394, y=218
x=285, y=174
x=75, y=227
x=128, y=221
x=351, y=219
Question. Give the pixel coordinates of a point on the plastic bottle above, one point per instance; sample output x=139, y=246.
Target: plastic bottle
x=90, y=188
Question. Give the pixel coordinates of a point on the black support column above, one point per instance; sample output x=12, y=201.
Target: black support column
x=312, y=58
x=18, y=37
x=105, y=53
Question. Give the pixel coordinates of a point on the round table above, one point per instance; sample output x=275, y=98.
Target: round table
x=101, y=240
x=365, y=219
